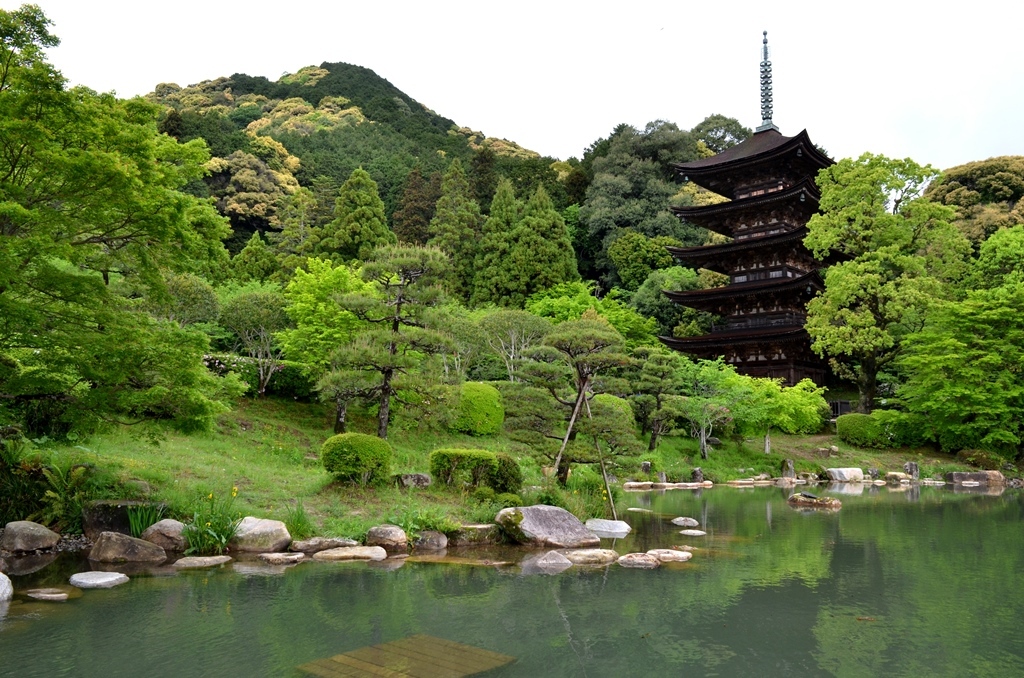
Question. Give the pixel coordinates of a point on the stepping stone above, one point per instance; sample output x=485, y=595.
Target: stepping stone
x=282, y=558
x=609, y=529
x=641, y=561
x=590, y=556
x=352, y=553
x=98, y=580
x=693, y=533
x=636, y=509
x=670, y=555
x=57, y=595
x=200, y=562
x=685, y=522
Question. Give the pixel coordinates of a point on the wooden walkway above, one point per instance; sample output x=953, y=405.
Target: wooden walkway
x=418, y=656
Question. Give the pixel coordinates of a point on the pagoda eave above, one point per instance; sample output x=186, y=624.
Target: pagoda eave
x=708, y=256
x=803, y=192
x=713, y=343
x=811, y=281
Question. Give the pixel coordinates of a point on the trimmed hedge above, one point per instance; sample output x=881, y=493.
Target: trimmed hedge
x=479, y=411
x=883, y=429
x=507, y=477
x=859, y=429
x=450, y=466
x=357, y=457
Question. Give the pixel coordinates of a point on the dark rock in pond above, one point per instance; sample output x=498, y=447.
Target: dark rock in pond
x=390, y=537
x=645, y=467
x=23, y=536
x=697, y=475
x=260, y=535
x=475, y=535
x=430, y=540
x=167, y=534
x=912, y=470
x=874, y=473
x=317, y=544
x=542, y=525
x=19, y=566
x=413, y=480
x=114, y=547
x=1015, y=483
x=788, y=469
x=980, y=477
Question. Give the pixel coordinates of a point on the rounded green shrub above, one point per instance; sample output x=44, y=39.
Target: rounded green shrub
x=509, y=499
x=452, y=466
x=357, y=457
x=506, y=477
x=903, y=429
x=484, y=494
x=860, y=430
x=479, y=411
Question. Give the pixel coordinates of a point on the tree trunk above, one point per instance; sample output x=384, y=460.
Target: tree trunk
x=703, y=443
x=340, y=414
x=768, y=440
x=580, y=398
x=655, y=430
x=868, y=383
x=385, y=406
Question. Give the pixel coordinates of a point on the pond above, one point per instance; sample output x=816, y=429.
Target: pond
x=926, y=581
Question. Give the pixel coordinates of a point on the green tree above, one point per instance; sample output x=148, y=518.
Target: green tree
x=986, y=195
x=902, y=253
x=494, y=281
x=189, y=300
x=296, y=216
x=416, y=207
x=720, y=133
x=510, y=333
x=712, y=392
x=657, y=389
x=635, y=256
x=256, y=261
x=359, y=226
x=455, y=229
x=569, y=301
x=791, y=409
x=256, y=318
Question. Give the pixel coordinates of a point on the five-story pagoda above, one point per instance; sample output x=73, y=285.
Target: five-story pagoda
x=769, y=180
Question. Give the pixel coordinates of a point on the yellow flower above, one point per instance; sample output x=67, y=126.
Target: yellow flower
x=207, y=524
x=211, y=496
x=234, y=491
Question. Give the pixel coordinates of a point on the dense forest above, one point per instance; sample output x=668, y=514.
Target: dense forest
x=326, y=236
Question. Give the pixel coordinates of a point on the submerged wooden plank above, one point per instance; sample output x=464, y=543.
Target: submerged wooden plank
x=418, y=656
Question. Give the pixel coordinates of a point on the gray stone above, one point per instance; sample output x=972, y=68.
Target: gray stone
x=98, y=580
x=391, y=537
x=693, y=533
x=590, y=556
x=22, y=536
x=845, y=475
x=259, y=535
x=670, y=555
x=896, y=477
x=551, y=562
x=637, y=485
x=475, y=535
x=609, y=529
x=788, y=469
x=637, y=509
x=6, y=588
x=19, y=566
x=413, y=480
x=317, y=544
x=662, y=478
x=50, y=595
x=352, y=553
x=545, y=526
x=641, y=561
x=282, y=558
x=430, y=540
x=645, y=467
x=683, y=521
x=697, y=475
x=167, y=534
x=980, y=477
x=114, y=547
x=873, y=473
x=912, y=469
x=201, y=562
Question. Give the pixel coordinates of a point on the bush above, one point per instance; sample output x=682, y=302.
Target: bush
x=508, y=500
x=479, y=411
x=484, y=495
x=357, y=457
x=883, y=429
x=506, y=477
x=449, y=466
x=859, y=429
x=981, y=459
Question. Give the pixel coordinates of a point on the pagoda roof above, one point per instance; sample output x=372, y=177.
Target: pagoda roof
x=703, y=256
x=719, y=173
x=716, y=341
x=710, y=297
x=802, y=191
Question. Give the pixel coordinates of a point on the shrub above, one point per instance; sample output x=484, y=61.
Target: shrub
x=479, y=411
x=141, y=517
x=859, y=429
x=357, y=457
x=506, y=477
x=484, y=495
x=449, y=466
x=508, y=499
x=903, y=429
x=981, y=459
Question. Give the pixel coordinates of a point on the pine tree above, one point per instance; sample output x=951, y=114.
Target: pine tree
x=455, y=229
x=416, y=209
x=298, y=235
x=488, y=286
x=359, y=224
x=256, y=261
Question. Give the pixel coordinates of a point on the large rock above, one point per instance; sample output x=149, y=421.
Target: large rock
x=6, y=588
x=643, y=561
x=390, y=537
x=788, y=470
x=670, y=555
x=431, y=540
x=114, y=547
x=683, y=521
x=352, y=553
x=912, y=469
x=23, y=536
x=590, y=556
x=317, y=544
x=413, y=480
x=896, y=477
x=260, y=535
x=167, y=534
x=545, y=526
x=475, y=535
x=980, y=477
x=19, y=566
x=201, y=562
x=108, y=515
x=845, y=475
x=609, y=529
x=551, y=562
x=697, y=475
x=98, y=580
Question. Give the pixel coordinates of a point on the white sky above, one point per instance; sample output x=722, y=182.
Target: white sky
x=940, y=82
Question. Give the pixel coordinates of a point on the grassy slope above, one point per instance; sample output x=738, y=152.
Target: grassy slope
x=268, y=449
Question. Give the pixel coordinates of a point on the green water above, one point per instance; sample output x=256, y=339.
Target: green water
x=895, y=584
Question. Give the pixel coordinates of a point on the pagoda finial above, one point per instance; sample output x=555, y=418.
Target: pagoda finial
x=766, y=89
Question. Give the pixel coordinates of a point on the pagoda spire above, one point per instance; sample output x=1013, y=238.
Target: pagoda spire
x=766, y=89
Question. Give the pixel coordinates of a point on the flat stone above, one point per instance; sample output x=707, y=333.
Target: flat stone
x=551, y=562
x=683, y=521
x=317, y=544
x=980, y=477
x=430, y=540
x=609, y=529
x=391, y=537
x=54, y=595
x=641, y=561
x=352, y=553
x=475, y=535
x=201, y=562
x=98, y=580
x=114, y=547
x=590, y=556
x=670, y=555
x=741, y=482
x=260, y=535
x=22, y=536
x=258, y=569
x=637, y=509
x=634, y=486
x=6, y=588
x=542, y=525
x=167, y=534
x=693, y=533
x=282, y=558
x=896, y=477
x=690, y=486
x=845, y=475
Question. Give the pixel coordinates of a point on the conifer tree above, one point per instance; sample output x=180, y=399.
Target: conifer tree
x=359, y=224
x=416, y=208
x=299, y=233
x=256, y=261
x=455, y=229
x=488, y=286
